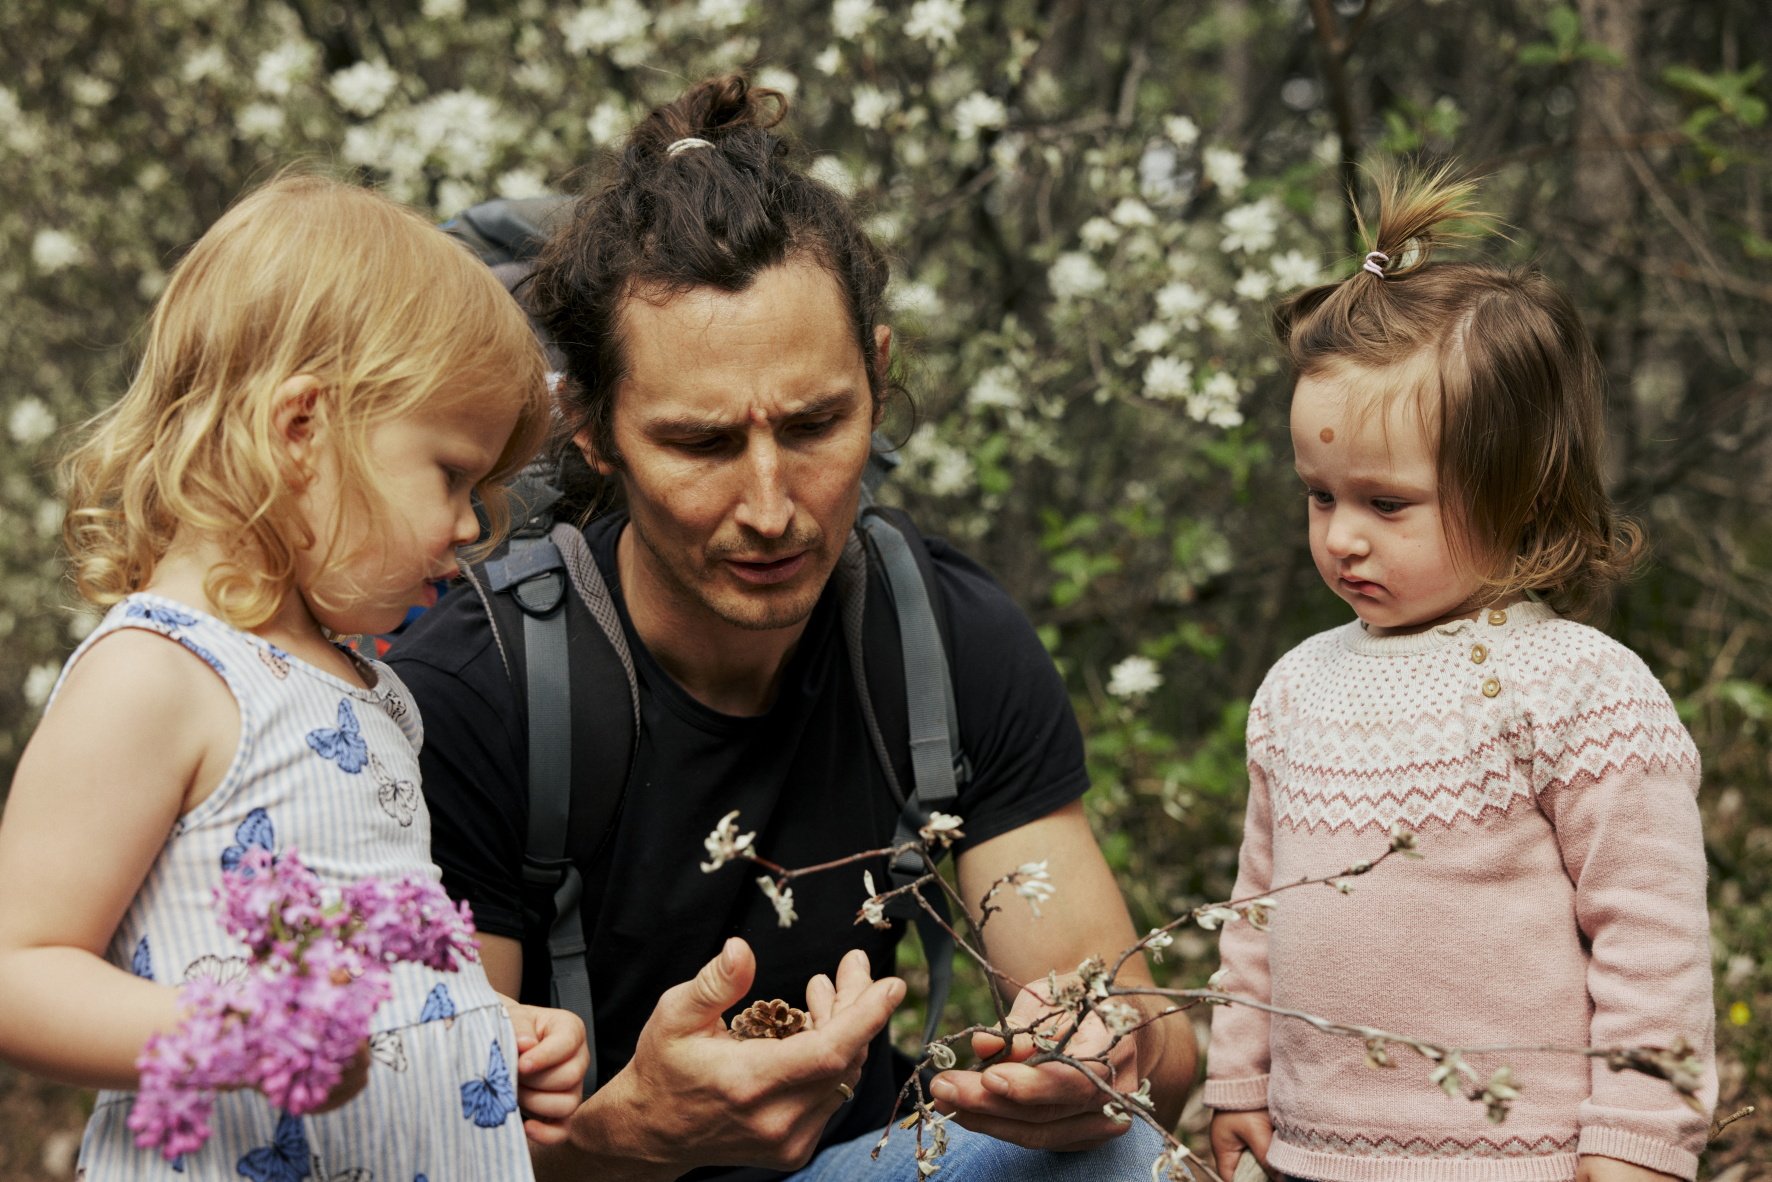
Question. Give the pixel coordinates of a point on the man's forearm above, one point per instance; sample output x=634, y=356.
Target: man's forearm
x=1169, y=1047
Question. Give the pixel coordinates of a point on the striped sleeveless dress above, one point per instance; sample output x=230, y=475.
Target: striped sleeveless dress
x=329, y=769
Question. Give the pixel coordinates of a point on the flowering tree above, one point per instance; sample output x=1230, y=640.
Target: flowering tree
x=1090, y=209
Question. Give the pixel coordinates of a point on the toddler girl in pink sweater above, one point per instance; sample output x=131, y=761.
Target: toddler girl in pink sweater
x=1447, y=425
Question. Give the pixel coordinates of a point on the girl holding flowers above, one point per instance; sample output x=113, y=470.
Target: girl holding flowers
x=326, y=382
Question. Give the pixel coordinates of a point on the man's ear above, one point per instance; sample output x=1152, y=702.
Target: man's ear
x=586, y=448
x=297, y=423
x=882, y=365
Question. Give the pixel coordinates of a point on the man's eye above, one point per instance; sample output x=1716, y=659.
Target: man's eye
x=703, y=445
x=813, y=428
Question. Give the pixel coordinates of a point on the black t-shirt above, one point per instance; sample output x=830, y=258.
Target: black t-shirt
x=803, y=776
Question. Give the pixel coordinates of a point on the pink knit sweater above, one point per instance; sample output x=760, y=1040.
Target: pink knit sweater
x=1560, y=900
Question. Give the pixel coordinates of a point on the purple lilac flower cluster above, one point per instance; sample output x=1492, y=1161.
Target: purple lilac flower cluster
x=293, y=1022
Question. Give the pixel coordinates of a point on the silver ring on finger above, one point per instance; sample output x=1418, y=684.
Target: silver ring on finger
x=845, y=1091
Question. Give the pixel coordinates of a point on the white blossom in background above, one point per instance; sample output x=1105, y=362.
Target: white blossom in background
x=442, y=10
x=1216, y=402
x=1221, y=317
x=39, y=682
x=206, y=63
x=520, y=183
x=828, y=61
x=1251, y=227
x=363, y=89
x=1167, y=378
x=851, y=18
x=453, y=196
x=722, y=14
x=1182, y=131
x=997, y=386
x=935, y=22
x=89, y=91
x=829, y=169
x=914, y=298
x=1133, y=678
x=1098, y=233
x=260, y=121
x=1224, y=168
x=870, y=106
x=604, y=26
x=950, y=471
x=31, y=421
x=1254, y=285
x=1181, y=303
x=978, y=112
x=49, y=518
x=55, y=250
x=1151, y=336
x=82, y=622
x=1131, y=212
x=607, y=122
x=1075, y=274
x=776, y=78
x=280, y=70
x=1293, y=270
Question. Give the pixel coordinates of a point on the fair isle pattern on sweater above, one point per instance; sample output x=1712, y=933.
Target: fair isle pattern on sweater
x=1421, y=1148
x=1560, y=901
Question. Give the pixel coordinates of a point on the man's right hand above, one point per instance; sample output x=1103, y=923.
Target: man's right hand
x=693, y=1095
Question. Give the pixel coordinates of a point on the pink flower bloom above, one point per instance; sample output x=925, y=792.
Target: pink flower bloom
x=292, y=1025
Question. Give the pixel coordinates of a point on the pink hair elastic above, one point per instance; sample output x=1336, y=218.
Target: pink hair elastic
x=1375, y=263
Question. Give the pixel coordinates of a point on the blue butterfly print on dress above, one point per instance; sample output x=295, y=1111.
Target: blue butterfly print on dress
x=438, y=1006
x=345, y=745
x=142, y=963
x=154, y=613
x=255, y=832
x=285, y=1159
x=490, y=1100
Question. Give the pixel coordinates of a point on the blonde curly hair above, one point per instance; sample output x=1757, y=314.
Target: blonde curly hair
x=302, y=276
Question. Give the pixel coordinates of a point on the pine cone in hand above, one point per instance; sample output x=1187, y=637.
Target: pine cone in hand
x=769, y=1019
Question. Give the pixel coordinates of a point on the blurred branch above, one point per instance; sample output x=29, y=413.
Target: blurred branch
x=1333, y=49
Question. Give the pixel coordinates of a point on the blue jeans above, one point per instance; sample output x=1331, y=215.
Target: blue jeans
x=973, y=1157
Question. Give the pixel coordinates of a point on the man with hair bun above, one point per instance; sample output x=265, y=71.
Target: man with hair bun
x=719, y=315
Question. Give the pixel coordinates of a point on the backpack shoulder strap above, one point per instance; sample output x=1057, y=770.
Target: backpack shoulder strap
x=908, y=640
x=570, y=655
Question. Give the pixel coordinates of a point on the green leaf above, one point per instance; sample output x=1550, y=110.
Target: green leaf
x=1564, y=26
x=1593, y=51
x=1539, y=53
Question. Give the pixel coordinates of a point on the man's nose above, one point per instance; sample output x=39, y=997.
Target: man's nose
x=764, y=506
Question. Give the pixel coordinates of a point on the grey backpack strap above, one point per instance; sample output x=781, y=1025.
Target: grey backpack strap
x=577, y=703
x=932, y=725
x=533, y=572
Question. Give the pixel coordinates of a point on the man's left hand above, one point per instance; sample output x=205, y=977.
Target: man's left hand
x=1047, y=1105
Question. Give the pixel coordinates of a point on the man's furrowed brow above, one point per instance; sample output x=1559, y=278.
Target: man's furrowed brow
x=683, y=425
